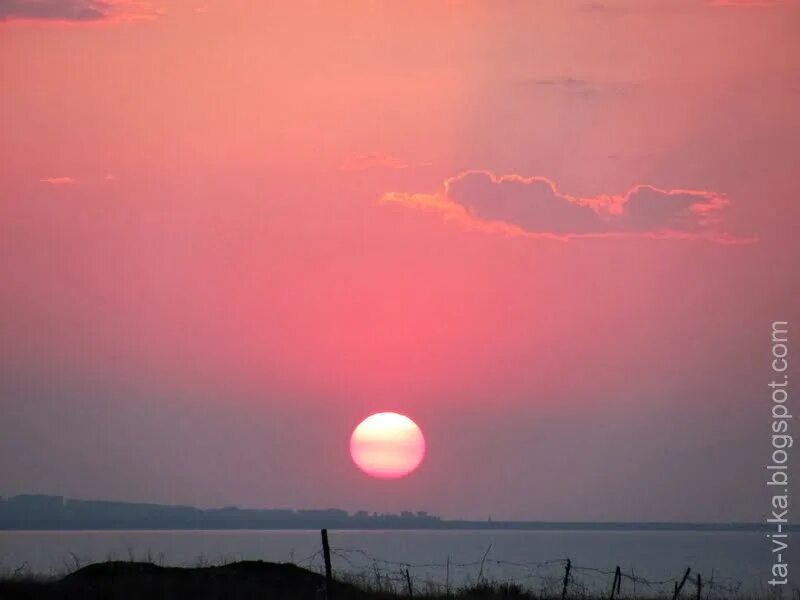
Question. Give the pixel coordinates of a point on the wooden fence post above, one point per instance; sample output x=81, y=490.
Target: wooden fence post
x=566, y=579
x=326, y=552
x=483, y=561
x=615, y=583
x=447, y=577
x=678, y=588
x=699, y=586
x=408, y=581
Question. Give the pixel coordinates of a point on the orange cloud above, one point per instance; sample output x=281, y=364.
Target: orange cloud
x=58, y=180
x=516, y=205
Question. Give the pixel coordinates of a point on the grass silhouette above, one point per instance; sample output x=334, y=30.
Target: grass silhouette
x=126, y=580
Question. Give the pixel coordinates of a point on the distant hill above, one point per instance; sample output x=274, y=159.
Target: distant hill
x=41, y=512
x=33, y=511
x=129, y=580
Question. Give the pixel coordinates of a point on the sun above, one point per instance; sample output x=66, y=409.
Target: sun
x=387, y=445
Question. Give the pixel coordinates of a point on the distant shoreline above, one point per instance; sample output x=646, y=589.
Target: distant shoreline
x=36, y=512
x=443, y=526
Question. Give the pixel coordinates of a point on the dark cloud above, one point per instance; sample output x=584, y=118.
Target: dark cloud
x=626, y=7
x=535, y=206
x=55, y=10
x=569, y=85
x=747, y=3
x=363, y=162
x=71, y=10
x=579, y=87
x=560, y=81
x=531, y=204
x=651, y=209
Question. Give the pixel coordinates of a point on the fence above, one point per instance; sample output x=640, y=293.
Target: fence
x=552, y=578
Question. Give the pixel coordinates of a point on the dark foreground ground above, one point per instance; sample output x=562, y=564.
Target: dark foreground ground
x=248, y=579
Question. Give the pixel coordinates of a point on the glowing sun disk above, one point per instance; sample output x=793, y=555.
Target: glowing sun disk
x=387, y=445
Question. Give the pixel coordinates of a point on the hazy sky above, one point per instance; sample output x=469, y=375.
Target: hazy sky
x=554, y=234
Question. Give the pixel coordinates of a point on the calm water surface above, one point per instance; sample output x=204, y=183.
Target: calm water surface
x=730, y=557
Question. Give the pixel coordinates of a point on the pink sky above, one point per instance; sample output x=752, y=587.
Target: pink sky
x=553, y=234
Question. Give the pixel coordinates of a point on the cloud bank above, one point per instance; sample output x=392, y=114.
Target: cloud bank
x=746, y=3
x=378, y=160
x=534, y=206
x=76, y=11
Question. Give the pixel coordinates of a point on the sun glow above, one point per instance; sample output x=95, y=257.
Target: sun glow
x=387, y=445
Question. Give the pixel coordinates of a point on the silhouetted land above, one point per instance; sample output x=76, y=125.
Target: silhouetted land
x=248, y=579
x=127, y=580
x=39, y=512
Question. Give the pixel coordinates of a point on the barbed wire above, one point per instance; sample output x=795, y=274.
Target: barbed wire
x=452, y=564
x=547, y=576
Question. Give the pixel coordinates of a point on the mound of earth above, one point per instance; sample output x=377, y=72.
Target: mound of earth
x=119, y=580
